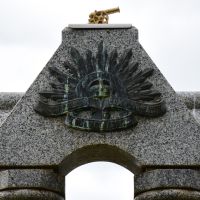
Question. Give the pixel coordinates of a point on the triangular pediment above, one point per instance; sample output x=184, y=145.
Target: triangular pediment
x=159, y=128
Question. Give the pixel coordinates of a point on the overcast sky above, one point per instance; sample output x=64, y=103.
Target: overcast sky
x=30, y=32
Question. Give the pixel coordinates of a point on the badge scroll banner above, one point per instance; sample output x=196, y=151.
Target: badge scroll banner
x=103, y=93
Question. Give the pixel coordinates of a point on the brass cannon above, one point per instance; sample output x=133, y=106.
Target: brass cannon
x=101, y=17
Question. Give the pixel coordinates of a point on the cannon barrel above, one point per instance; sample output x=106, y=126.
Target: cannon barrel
x=111, y=11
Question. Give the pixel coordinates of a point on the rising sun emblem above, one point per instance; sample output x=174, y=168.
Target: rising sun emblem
x=101, y=92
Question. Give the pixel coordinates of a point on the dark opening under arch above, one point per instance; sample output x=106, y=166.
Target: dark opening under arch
x=98, y=152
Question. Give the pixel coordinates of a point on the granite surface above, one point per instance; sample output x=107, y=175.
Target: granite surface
x=29, y=194
x=167, y=178
x=7, y=101
x=99, y=26
x=191, y=99
x=170, y=194
x=43, y=179
x=29, y=139
x=3, y=115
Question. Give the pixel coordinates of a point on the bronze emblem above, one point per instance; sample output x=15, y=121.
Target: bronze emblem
x=102, y=92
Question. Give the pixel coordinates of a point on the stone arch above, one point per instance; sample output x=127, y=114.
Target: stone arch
x=162, y=152
x=98, y=152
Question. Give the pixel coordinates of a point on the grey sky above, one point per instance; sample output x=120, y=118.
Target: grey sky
x=99, y=181
x=30, y=32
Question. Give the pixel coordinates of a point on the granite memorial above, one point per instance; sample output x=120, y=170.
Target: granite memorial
x=99, y=98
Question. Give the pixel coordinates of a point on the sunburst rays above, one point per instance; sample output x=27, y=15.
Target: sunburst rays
x=121, y=76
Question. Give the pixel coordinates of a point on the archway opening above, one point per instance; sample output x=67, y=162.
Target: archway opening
x=99, y=181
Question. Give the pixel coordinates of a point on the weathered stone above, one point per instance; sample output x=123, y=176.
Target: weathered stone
x=167, y=178
x=99, y=26
x=7, y=102
x=28, y=138
x=45, y=179
x=31, y=184
x=29, y=194
x=170, y=194
x=9, y=99
x=191, y=99
x=29, y=141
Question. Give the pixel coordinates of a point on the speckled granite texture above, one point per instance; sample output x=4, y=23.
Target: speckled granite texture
x=29, y=139
x=167, y=178
x=191, y=99
x=36, y=152
x=170, y=194
x=43, y=179
x=7, y=102
x=3, y=115
x=29, y=194
x=9, y=99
